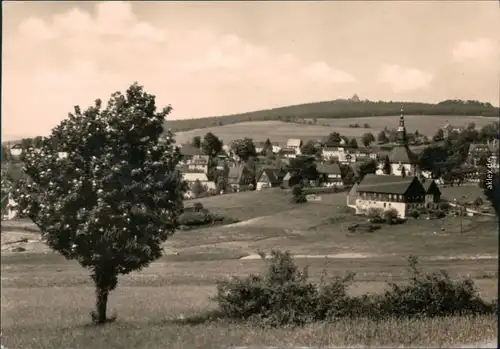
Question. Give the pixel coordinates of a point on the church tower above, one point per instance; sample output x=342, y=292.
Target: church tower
x=401, y=139
x=401, y=158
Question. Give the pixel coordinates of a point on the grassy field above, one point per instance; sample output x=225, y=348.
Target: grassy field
x=46, y=300
x=279, y=131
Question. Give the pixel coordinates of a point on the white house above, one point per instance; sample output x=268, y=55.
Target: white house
x=191, y=177
x=288, y=153
x=387, y=192
x=276, y=148
x=332, y=152
x=198, y=163
x=295, y=144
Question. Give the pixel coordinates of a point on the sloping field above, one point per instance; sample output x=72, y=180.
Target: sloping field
x=278, y=131
x=425, y=124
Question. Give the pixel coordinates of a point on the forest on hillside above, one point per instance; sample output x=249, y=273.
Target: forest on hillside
x=338, y=109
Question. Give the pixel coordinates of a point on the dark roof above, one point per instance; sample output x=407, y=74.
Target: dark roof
x=189, y=150
x=271, y=173
x=402, y=154
x=386, y=184
x=329, y=168
x=431, y=186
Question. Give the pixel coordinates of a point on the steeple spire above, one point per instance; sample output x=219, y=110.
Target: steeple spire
x=401, y=136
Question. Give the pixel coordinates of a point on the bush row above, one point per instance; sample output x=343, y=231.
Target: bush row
x=283, y=296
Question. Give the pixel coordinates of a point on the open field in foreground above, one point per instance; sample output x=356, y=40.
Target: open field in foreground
x=46, y=303
x=278, y=131
x=46, y=300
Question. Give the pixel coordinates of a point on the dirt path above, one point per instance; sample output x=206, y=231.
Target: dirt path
x=361, y=256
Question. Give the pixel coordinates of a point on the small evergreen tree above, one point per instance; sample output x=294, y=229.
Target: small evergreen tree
x=387, y=166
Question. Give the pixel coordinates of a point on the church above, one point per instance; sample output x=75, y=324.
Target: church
x=401, y=158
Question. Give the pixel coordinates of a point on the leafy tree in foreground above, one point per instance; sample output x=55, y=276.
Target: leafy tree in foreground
x=115, y=197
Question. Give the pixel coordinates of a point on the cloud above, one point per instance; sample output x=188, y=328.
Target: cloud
x=403, y=79
x=480, y=50
x=82, y=56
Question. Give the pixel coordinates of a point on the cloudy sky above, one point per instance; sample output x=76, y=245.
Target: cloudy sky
x=216, y=58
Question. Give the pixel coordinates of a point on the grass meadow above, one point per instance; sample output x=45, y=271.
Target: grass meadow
x=278, y=131
x=46, y=300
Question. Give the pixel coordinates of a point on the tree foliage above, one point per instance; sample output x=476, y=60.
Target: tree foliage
x=211, y=145
x=367, y=138
x=309, y=148
x=115, y=198
x=365, y=168
x=353, y=143
x=244, y=148
x=198, y=188
x=386, y=168
x=196, y=142
x=382, y=137
x=333, y=139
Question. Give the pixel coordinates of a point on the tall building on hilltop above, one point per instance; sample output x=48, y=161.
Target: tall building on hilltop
x=403, y=160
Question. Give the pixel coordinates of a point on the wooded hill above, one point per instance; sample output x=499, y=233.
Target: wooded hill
x=341, y=108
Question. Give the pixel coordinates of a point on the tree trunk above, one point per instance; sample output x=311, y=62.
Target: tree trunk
x=105, y=279
x=101, y=304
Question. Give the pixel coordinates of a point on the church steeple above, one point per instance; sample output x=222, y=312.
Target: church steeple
x=401, y=132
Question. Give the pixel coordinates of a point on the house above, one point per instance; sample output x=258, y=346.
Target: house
x=192, y=177
x=239, y=177
x=331, y=175
x=291, y=179
x=288, y=153
x=295, y=144
x=276, y=148
x=401, y=157
x=268, y=178
x=432, y=192
x=488, y=151
x=16, y=150
x=389, y=192
x=259, y=147
x=188, y=151
x=332, y=152
x=198, y=163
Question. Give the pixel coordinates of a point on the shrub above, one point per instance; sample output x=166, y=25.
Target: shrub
x=198, y=207
x=478, y=201
x=390, y=215
x=374, y=212
x=299, y=197
x=432, y=295
x=283, y=296
x=195, y=218
x=414, y=213
x=444, y=206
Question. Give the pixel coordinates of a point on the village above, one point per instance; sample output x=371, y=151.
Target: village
x=379, y=175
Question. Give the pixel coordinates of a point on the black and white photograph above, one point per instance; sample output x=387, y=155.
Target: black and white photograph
x=250, y=174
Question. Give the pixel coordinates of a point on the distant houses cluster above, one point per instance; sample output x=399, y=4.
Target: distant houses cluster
x=396, y=181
